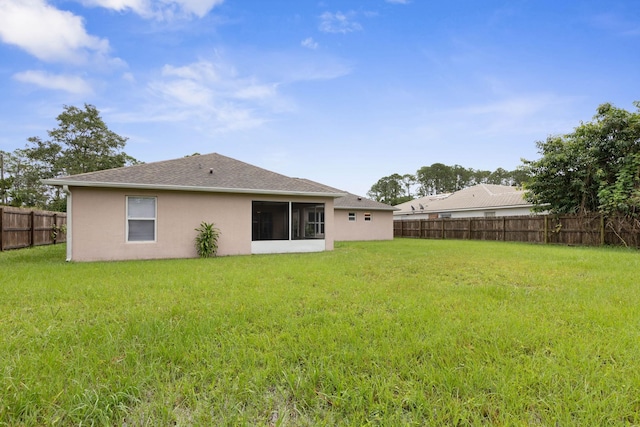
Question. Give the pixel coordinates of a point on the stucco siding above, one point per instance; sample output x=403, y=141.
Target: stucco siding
x=379, y=228
x=99, y=223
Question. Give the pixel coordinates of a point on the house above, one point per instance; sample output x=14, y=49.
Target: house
x=482, y=200
x=358, y=218
x=151, y=211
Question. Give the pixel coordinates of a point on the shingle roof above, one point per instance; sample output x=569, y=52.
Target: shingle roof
x=481, y=196
x=354, y=202
x=208, y=172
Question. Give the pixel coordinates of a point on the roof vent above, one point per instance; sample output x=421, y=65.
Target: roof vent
x=359, y=198
x=211, y=171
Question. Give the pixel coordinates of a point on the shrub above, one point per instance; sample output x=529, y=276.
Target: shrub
x=207, y=240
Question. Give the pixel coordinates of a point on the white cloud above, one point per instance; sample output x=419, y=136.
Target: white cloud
x=339, y=22
x=47, y=33
x=215, y=95
x=129, y=77
x=67, y=83
x=256, y=91
x=186, y=92
x=202, y=71
x=160, y=10
x=516, y=114
x=309, y=43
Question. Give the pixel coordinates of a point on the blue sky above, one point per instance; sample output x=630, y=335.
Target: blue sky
x=340, y=92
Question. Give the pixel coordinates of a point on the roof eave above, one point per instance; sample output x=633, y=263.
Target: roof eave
x=133, y=186
x=370, y=208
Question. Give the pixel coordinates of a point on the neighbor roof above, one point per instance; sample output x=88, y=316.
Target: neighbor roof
x=481, y=196
x=208, y=172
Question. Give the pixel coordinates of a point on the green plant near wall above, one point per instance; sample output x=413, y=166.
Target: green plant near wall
x=207, y=240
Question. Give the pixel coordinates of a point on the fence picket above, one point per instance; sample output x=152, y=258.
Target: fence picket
x=22, y=228
x=591, y=230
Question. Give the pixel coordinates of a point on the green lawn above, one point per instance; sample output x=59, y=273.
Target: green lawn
x=405, y=332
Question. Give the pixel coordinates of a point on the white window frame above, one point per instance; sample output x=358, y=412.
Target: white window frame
x=154, y=219
x=352, y=216
x=368, y=216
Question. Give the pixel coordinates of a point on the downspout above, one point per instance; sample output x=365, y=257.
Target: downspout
x=66, y=190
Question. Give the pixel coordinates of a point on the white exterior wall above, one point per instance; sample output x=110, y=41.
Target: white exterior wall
x=498, y=212
x=472, y=213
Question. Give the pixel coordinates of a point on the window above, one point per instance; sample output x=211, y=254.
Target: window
x=445, y=215
x=489, y=214
x=270, y=221
x=308, y=220
x=141, y=219
x=287, y=221
x=367, y=216
x=352, y=216
x=314, y=228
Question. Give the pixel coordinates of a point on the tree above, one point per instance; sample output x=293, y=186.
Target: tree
x=500, y=177
x=463, y=177
x=19, y=182
x=81, y=143
x=440, y=178
x=408, y=180
x=596, y=168
x=390, y=190
x=436, y=179
x=6, y=181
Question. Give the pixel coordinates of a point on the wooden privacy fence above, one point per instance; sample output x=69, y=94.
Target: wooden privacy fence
x=561, y=229
x=22, y=228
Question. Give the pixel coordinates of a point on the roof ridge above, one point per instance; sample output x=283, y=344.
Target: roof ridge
x=484, y=186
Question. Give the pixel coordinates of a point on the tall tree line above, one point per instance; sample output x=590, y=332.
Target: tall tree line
x=437, y=179
x=80, y=143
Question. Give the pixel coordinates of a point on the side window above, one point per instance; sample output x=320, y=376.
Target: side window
x=141, y=219
x=367, y=216
x=352, y=216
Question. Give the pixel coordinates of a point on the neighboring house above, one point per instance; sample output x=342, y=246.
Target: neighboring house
x=150, y=211
x=482, y=200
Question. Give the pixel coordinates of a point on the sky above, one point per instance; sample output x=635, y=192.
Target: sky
x=340, y=92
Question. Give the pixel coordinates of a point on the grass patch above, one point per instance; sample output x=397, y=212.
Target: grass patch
x=404, y=332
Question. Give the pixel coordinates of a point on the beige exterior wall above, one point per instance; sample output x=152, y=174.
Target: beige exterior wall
x=98, y=222
x=379, y=228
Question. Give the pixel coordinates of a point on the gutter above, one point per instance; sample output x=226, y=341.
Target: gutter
x=67, y=183
x=66, y=190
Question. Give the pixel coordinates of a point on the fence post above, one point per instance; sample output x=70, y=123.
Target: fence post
x=602, y=234
x=469, y=228
x=33, y=228
x=442, y=220
x=504, y=228
x=1, y=229
x=55, y=228
x=546, y=229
